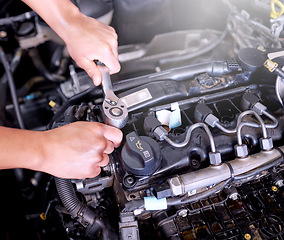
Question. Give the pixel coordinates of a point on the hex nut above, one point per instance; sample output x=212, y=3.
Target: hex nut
x=234, y=196
x=175, y=185
x=211, y=120
x=266, y=143
x=259, y=108
x=160, y=132
x=183, y=213
x=241, y=150
x=215, y=158
x=279, y=183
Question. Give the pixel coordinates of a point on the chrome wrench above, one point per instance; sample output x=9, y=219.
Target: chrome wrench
x=114, y=109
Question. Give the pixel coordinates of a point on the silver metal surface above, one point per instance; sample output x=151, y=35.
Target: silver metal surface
x=188, y=136
x=241, y=150
x=279, y=88
x=114, y=109
x=266, y=143
x=216, y=174
x=215, y=158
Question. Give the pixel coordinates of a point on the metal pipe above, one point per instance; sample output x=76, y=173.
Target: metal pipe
x=240, y=125
x=272, y=118
x=188, y=135
x=251, y=124
x=215, y=174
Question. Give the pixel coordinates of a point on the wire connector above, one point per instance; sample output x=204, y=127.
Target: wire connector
x=270, y=65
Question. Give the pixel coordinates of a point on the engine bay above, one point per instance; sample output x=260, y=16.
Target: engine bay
x=202, y=152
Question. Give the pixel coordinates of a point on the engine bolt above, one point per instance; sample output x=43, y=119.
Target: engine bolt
x=182, y=213
x=274, y=188
x=3, y=34
x=129, y=181
x=247, y=236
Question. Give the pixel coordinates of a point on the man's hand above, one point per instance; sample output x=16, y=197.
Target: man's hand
x=86, y=38
x=93, y=41
x=78, y=150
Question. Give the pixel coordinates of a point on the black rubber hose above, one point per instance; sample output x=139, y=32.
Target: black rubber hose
x=80, y=211
x=89, y=94
x=195, y=54
x=68, y=196
x=19, y=18
x=12, y=88
x=33, y=53
x=4, y=84
x=77, y=209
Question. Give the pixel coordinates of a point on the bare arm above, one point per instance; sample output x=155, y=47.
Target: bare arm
x=86, y=38
x=77, y=150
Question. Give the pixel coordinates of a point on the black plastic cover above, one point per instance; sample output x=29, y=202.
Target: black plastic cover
x=251, y=59
x=141, y=155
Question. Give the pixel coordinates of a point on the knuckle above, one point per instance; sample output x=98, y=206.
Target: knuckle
x=114, y=42
x=107, y=50
x=103, y=144
x=98, y=159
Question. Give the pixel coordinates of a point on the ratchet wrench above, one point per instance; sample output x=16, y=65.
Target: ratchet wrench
x=114, y=109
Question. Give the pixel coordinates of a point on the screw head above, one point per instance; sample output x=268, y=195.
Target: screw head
x=247, y=236
x=129, y=181
x=182, y=213
x=3, y=34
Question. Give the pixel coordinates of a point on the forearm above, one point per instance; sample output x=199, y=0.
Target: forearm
x=20, y=148
x=60, y=15
x=86, y=38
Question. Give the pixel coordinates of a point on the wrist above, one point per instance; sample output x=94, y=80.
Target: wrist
x=34, y=151
x=68, y=23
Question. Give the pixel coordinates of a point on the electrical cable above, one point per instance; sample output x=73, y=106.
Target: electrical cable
x=12, y=87
x=19, y=18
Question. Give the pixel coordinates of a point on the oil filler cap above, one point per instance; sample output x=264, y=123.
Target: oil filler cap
x=141, y=155
x=251, y=59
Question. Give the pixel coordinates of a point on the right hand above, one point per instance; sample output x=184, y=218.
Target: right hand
x=94, y=41
x=79, y=149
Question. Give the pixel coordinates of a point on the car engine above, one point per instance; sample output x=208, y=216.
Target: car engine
x=202, y=152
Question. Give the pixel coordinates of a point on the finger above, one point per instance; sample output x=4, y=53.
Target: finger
x=113, y=134
x=111, y=61
x=104, y=161
x=95, y=172
x=109, y=147
x=91, y=69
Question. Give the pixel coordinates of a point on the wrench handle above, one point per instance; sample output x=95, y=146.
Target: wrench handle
x=106, y=80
